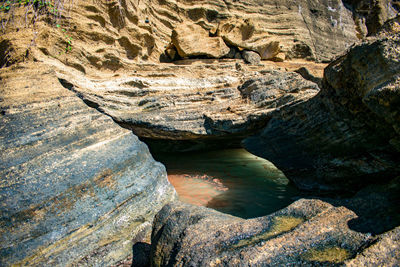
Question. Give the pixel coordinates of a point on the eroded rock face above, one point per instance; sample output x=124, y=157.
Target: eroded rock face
x=192, y=40
x=370, y=16
x=348, y=135
x=244, y=34
x=110, y=36
x=207, y=108
x=75, y=187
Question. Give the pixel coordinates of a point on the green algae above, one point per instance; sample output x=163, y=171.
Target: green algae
x=280, y=224
x=329, y=254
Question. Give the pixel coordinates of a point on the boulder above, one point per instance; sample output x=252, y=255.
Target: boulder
x=243, y=34
x=76, y=188
x=348, y=135
x=192, y=40
x=251, y=57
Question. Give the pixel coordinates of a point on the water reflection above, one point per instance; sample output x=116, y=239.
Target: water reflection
x=231, y=181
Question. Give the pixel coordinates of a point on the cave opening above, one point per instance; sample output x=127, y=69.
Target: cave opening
x=231, y=181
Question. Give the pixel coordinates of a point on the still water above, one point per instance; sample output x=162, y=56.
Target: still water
x=232, y=181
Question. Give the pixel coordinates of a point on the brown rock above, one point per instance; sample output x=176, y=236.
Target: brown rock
x=243, y=34
x=192, y=40
x=279, y=57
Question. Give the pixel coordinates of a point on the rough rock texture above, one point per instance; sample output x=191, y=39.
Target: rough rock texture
x=111, y=35
x=75, y=187
x=308, y=232
x=355, y=231
x=370, y=15
x=181, y=105
x=243, y=35
x=251, y=57
x=192, y=40
x=348, y=135
x=385, y=252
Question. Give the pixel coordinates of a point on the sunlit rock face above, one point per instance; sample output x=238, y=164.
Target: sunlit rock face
x=76, y=188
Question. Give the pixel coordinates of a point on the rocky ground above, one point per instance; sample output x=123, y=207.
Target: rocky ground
x=78, y=189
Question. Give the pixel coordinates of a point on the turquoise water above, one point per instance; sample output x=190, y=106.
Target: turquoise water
x=232, y=181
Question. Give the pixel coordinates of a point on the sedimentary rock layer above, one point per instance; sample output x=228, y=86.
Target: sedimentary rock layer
x=111, y=35
x=205, y=102
x=347, y=135
x=75, y=187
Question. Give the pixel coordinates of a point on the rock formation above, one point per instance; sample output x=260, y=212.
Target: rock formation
x=202, y=109
x=307, y=232
x=192, y=40
x=347, y=135
x=75, y=187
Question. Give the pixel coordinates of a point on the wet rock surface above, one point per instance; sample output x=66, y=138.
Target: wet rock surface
x=75, y=187
x=347, y=135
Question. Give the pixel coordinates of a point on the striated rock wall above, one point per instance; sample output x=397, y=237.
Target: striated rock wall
x=347, y=135
x=198, y=102
x=110, y=35
x=75, y=187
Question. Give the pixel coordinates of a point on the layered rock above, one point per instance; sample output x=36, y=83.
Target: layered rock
x=200, y=104
x=110, y=36
x=75, y=187
x=348, y=135
x=243, y=34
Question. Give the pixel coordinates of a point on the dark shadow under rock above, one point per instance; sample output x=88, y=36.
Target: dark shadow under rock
x=141, y=254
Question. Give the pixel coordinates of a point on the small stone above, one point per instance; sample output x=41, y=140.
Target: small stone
x=238, y=55
x=251, y=57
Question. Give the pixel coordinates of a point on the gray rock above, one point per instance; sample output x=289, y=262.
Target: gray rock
x=308, y=232
x=75, y=187
x=251, y=57
x=348, y=135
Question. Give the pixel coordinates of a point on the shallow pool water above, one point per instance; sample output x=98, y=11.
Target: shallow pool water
x=232, y=181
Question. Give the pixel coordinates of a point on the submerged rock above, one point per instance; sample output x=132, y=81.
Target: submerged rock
x=75, y=187
x=348, y=135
